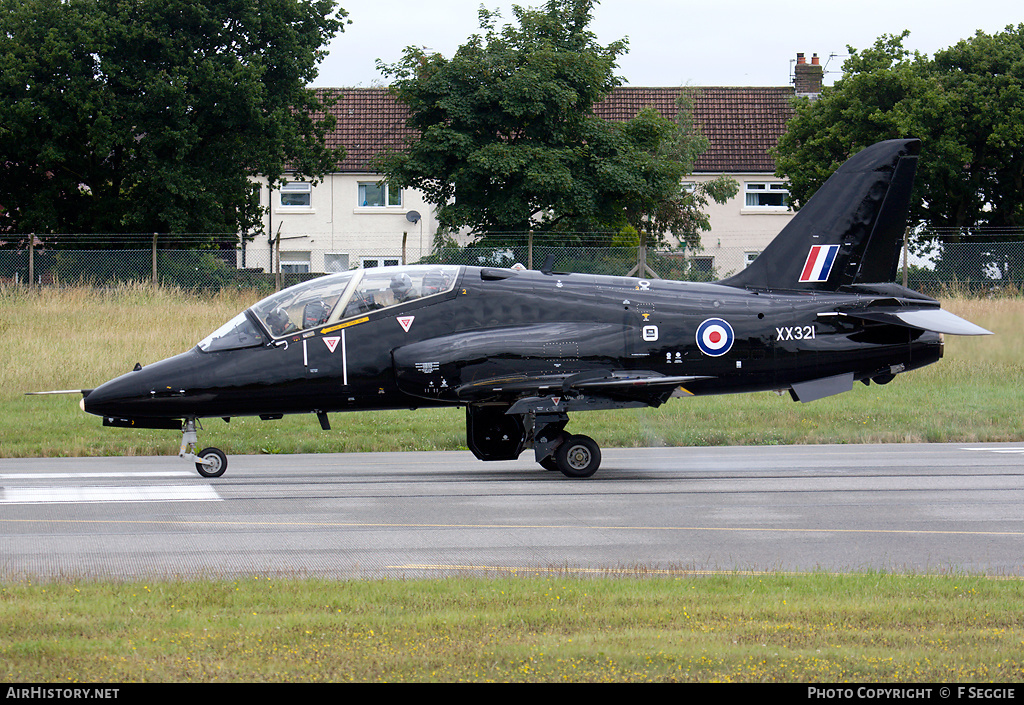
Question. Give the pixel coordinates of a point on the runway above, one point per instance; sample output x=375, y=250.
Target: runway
x=924, y=508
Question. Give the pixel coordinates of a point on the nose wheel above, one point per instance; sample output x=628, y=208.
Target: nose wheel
x=210, y=462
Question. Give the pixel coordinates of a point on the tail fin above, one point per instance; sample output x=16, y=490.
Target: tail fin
x=851, y=229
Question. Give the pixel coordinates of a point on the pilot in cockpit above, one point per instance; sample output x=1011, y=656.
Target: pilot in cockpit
x=402, y=288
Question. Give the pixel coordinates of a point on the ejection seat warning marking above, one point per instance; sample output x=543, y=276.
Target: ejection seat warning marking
x=347, y=324
x=405, y=322
x=332, y=342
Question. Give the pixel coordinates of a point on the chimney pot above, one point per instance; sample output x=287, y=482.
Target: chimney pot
x=807, y=78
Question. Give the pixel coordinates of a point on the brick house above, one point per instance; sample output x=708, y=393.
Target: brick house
x=351, y=219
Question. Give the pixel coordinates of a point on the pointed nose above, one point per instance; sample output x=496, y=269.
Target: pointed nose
x=154, y=391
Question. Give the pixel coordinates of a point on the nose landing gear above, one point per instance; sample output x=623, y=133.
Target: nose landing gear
x=210, y=462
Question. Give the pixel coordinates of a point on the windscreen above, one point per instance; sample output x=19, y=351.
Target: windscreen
x=239, y=332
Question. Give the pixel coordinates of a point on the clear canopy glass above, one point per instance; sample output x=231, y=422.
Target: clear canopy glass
x=330, y=299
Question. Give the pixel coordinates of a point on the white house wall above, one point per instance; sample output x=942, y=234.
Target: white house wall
x=739, y=232
x=335, y=224
x=335, y=230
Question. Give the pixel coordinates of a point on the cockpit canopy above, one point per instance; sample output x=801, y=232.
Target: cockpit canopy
x=330, y=299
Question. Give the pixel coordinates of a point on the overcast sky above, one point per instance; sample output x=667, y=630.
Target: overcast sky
x=676, y=42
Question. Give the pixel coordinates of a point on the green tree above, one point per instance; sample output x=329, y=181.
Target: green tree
x=660, y=153
x=153, y=115
x=967, y=106
x=507, y=141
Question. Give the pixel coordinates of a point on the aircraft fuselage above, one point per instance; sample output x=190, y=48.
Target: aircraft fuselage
x=500, y=324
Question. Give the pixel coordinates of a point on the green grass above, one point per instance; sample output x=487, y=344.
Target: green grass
x=74, y=338
x=552, y=628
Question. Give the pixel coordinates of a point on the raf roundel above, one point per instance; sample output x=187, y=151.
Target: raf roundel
x=714, y=337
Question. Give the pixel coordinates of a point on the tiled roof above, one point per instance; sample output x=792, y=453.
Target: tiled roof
x=742, y=124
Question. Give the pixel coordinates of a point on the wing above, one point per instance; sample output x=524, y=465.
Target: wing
x=577, y=391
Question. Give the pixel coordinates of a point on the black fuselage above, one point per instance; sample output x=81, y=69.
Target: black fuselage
x=500, y=324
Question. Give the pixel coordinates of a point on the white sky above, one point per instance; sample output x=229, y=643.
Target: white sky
x=676, y=42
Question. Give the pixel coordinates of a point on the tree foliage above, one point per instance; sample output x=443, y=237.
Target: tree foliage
x=152, y=115
x=508, y=142
x=966, y=104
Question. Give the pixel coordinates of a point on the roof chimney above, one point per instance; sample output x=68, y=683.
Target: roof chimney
x=807, y=78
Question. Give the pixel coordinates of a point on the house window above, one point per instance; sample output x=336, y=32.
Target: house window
x=704, y=265
x=377, y=195
x=749, y=257
x=763, y=194
x=335, y=262
x=367, y=262
x=297, y=194
x=294, y=262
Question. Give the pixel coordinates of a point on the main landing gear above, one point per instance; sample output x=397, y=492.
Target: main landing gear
x=210, y=462
x=574, y=456
x=577, y=456
x=493, y=434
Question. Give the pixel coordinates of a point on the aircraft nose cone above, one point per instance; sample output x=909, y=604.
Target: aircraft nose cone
x=153, y=391
x=114, y=398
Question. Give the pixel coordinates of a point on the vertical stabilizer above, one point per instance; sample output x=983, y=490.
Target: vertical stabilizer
x=849, y=232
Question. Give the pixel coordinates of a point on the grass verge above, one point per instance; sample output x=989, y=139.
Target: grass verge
x=817, y=628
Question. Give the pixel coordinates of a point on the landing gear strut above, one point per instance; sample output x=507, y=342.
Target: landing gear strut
x=210, y=462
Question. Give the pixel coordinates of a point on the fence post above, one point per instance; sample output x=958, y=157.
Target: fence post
x=31, y=259
x=276, y=263
x=155, y=277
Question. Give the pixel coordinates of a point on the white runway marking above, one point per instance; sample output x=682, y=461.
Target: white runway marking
x=82, y=495
x=997, y=450
x=91, y=475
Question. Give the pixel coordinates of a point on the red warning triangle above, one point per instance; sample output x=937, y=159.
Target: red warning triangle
x=406, y=322
x=331, y=342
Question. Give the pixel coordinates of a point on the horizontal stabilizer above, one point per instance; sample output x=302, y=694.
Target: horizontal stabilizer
x=932, y=319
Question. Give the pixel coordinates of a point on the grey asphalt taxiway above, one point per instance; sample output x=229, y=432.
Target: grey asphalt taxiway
x=925, y=508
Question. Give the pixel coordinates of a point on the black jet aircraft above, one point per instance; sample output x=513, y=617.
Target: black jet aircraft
x=816, y=312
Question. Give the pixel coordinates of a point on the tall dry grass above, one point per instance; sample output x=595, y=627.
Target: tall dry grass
x=80, y=337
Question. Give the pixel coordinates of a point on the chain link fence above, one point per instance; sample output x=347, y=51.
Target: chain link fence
x=974, y=262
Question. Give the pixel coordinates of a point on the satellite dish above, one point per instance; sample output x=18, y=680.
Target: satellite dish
x=412, y=217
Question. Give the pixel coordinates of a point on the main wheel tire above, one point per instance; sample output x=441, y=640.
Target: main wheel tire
x=578, y=457
x=216, y=462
